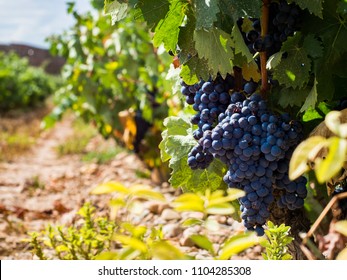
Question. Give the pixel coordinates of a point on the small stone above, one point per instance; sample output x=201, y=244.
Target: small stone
x=230, y=221
x=222, y=219
x=172, y=230
x=169, y=214
x=156, y=207
x=193, y=215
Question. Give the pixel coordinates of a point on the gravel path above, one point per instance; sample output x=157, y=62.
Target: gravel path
x=41, y=188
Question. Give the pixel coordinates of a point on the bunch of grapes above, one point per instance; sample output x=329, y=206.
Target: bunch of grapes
x=254, y=143
x=284, y=20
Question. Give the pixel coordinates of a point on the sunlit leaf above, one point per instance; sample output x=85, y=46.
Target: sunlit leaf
x=192, y=222
x=306, y=150
x=341, y=227
x=220, y=209
x=237, y=244
x=342, y=255
x=332, y=164
x=203, y=242
x=134, y=243
x=107, y=256
x=333, y=122
x=163, y=250
x=110, y=187
x=189, y=202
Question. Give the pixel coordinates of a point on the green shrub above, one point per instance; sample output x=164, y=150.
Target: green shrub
x=22, y=85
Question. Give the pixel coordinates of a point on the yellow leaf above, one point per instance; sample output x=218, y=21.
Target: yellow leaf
x=332, y=164
x=237, y=244
x=220, y=209
x=107, y=256
x=189, y=202
x=131, y=242
x=342, y=255
x=110, y=187
x=333, y=122
x=145, y=191
x=251, y=71
x=163, y=250
x=306, y=149
x=341, y=227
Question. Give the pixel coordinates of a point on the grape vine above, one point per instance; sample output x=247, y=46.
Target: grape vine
x=295, y=49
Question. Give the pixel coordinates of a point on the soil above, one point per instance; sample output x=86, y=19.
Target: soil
x=40, y=188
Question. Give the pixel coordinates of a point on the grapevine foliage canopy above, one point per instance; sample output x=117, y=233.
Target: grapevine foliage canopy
x=208, y=41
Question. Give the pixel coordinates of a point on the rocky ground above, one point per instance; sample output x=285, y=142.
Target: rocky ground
x=41, y=187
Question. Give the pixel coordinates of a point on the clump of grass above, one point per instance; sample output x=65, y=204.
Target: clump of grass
x=102, y=156
x=14, y=145
x=76, y=143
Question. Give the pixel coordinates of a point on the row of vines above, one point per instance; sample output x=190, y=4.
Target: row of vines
x=241, y=85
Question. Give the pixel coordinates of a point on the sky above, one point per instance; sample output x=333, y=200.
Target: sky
x=31, y=21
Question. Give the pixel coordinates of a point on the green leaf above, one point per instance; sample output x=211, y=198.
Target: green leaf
x=153, y=11
x=194, y=69
x=292, y=97
x=117, y=10
x=332, y=164
x=216, y=46
x=206, y=13
x=177, y=142
x=237, y=244
x=203, y=242
x=167, y=30
x=313, y=46
x=314, y=6
x=110, y=187
x=293, y=71
x=240, y=45
x=241, y=8
x=311, y=100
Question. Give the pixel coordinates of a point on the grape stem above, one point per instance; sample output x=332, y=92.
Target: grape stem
x=238, y=78
x=263, y=58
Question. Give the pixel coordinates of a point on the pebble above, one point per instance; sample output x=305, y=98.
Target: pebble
x=172, y=230
x=169, y=214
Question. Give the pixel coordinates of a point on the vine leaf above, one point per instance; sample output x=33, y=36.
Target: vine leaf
x=175, y=146
x=116, y=10
x=294, y=70
x=274, y=60
x=152, y=11
x=292, y=97
x=240, y=46
x=215, y=45
x=311, y=99
x=313, y=46
x=206, y=13
x=241, y=8
x=314, y=6
x=167, y=30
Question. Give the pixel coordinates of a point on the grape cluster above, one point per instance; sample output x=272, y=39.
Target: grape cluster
x=209, y=99
x=255, y=144
x=284, y=20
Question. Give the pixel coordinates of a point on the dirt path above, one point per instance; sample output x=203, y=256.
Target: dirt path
x=40, y=188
